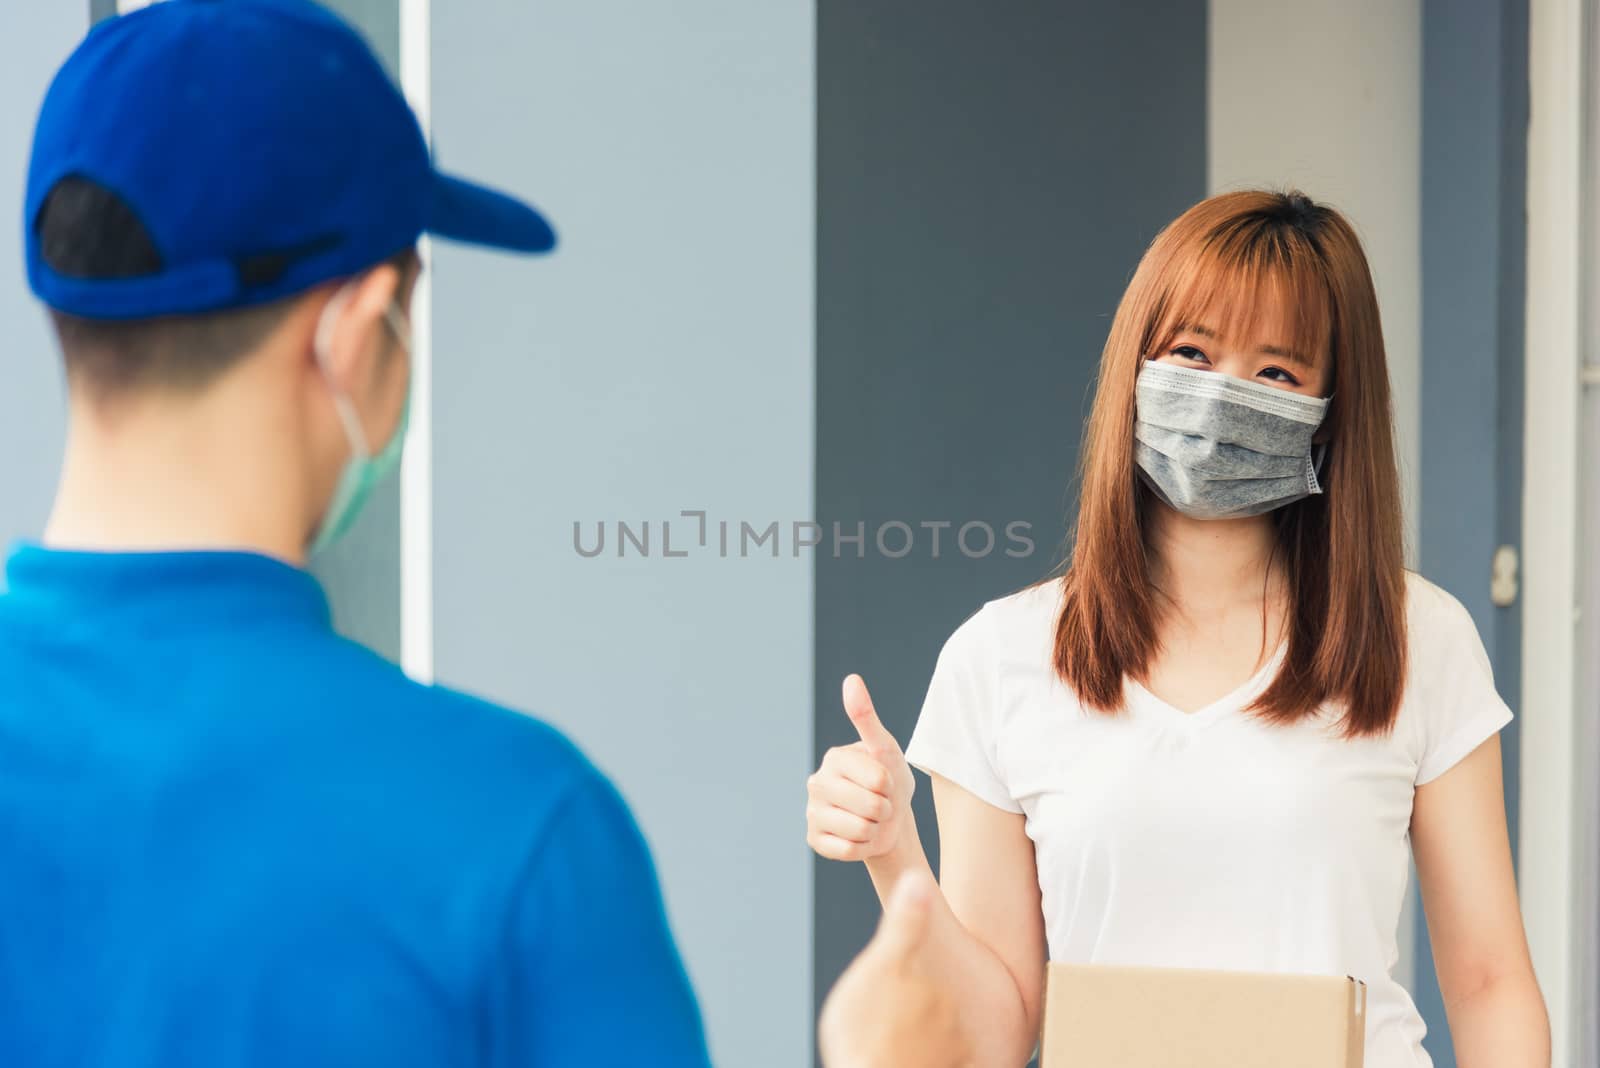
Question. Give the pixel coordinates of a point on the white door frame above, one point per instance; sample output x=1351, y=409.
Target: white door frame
x=1550, y=508
x=416, y=465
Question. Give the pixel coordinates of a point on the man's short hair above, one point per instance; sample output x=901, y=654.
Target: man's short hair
x=87, y=231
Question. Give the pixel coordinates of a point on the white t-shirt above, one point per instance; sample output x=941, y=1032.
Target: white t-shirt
x=1210, y=839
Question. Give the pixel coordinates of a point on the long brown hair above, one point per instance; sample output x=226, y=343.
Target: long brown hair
x=1341, y=550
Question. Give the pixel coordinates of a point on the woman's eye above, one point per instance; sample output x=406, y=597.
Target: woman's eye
x=1189, y=352
x=1278, y=374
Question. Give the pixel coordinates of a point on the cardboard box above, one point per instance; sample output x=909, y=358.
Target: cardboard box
x=1102, y=1016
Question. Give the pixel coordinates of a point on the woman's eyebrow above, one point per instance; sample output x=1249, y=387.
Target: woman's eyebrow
x=1266, y=350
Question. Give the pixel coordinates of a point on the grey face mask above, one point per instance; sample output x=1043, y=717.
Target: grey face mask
x=1217, y=447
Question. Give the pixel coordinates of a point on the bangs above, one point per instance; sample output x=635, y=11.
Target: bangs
x=1256, y=281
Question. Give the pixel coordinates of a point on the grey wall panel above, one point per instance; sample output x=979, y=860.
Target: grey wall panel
x=988, y=176
x=362, y=570
x=34, y=39
x=660, y=361
x=1474, y=188
x=380, y=21
x=361, y=573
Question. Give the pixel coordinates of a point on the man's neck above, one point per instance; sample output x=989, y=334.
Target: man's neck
x=167, y=473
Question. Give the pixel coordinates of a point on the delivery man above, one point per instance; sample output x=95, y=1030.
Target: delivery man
x=229, y=837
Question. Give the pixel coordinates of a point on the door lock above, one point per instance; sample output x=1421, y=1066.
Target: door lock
x=1503, y=577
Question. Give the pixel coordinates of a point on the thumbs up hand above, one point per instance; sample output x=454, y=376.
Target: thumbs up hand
x=859, y=801
x=889, y=1008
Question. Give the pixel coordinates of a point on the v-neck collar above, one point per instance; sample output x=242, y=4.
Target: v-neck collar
x=1139, y=698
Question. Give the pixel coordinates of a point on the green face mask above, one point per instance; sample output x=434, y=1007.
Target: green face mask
x=363, y=471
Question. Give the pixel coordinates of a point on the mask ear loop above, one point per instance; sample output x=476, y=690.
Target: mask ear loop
x=397, y=322
x=320, y=342
x=1319, y=451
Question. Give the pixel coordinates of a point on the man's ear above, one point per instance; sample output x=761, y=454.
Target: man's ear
x=353, y=334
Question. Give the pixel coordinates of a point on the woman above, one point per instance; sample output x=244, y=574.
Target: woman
x=1210, y=741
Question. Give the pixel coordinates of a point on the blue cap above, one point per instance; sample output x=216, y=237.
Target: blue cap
x=261, y=145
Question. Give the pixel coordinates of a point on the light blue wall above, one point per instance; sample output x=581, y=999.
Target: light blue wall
x=34, y=39
x=662, y=360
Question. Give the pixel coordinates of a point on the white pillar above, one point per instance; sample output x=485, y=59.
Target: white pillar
x=1549, y=507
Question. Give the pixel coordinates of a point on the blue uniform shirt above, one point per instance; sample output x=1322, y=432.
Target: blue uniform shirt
x=229, y=837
